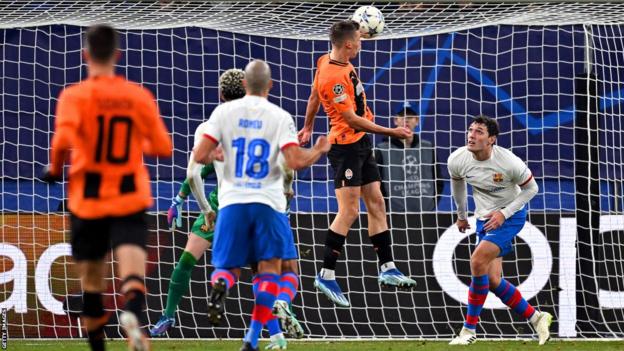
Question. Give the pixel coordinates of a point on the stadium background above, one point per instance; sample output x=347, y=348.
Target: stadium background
x=523, y=76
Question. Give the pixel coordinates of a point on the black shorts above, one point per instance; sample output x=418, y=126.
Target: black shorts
x=92, y=239
x=354, y=164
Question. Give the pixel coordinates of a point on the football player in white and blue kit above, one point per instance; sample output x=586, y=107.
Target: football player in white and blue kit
x=502, y=185
x=252, y=226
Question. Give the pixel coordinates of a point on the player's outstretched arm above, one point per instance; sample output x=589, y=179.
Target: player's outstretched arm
x=298, y=158
x=358, y=123
x=312, y=109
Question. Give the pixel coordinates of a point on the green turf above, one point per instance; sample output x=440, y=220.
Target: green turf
x=27, y=345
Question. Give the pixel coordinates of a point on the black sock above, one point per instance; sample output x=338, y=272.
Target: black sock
x=135, y=299
x=135, y=295
x=93, y=308
x=96, y=339
x=382, y=245
x=333, y=247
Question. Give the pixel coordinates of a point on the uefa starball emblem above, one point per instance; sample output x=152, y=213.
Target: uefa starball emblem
x=348, y=173
x=338, y=89
x=411, y=163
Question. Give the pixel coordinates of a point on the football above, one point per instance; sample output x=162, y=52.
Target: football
x=371, y=21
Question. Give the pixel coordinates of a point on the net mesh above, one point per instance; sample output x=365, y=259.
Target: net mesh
x=305, y=20
x=551, y=74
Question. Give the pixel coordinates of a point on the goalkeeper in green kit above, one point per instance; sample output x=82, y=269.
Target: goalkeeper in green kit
x=202, y=232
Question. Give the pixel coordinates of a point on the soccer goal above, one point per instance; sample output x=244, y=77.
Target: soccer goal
x=552, y=74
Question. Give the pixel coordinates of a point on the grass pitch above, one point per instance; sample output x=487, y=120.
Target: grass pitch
x=384, y=345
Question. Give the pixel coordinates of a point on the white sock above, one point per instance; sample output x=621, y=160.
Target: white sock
x=328, y=274
x=468, y=330
x=387, y=266
x=534, y=317
x=277, y=336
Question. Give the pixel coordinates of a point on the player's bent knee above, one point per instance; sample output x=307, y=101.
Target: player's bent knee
x=272, y=266
x=92, y=276
x=379, y=204
x=377, y=210
x=350, y=213
x=479, y=264
x=494, y=281
x=290, y=266
x=372, y=193
x=92, y=282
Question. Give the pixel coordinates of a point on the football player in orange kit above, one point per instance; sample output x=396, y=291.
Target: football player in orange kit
x=338, y=88
x=107, y=123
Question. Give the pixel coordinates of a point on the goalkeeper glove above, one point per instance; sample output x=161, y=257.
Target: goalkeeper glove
x=174, y=214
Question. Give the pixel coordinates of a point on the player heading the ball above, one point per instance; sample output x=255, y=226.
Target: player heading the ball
x=338, y=88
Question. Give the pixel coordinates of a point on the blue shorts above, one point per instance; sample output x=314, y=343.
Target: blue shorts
x=249, y=233
x=505, y=234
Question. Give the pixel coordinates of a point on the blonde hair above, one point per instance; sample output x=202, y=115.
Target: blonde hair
x=231, y=84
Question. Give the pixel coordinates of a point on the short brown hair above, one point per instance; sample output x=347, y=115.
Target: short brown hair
x=102, y=41
x=340, y=31
x=490, y=124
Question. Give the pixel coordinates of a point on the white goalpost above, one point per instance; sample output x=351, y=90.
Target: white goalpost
x=551, y=73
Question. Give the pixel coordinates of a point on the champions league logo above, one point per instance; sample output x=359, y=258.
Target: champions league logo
x=412, y=169
x=338, y=89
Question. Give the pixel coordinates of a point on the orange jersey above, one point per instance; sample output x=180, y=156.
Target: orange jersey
x=339, y=90
x=108, y=123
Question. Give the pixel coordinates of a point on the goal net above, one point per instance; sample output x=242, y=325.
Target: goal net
x=552, y=74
